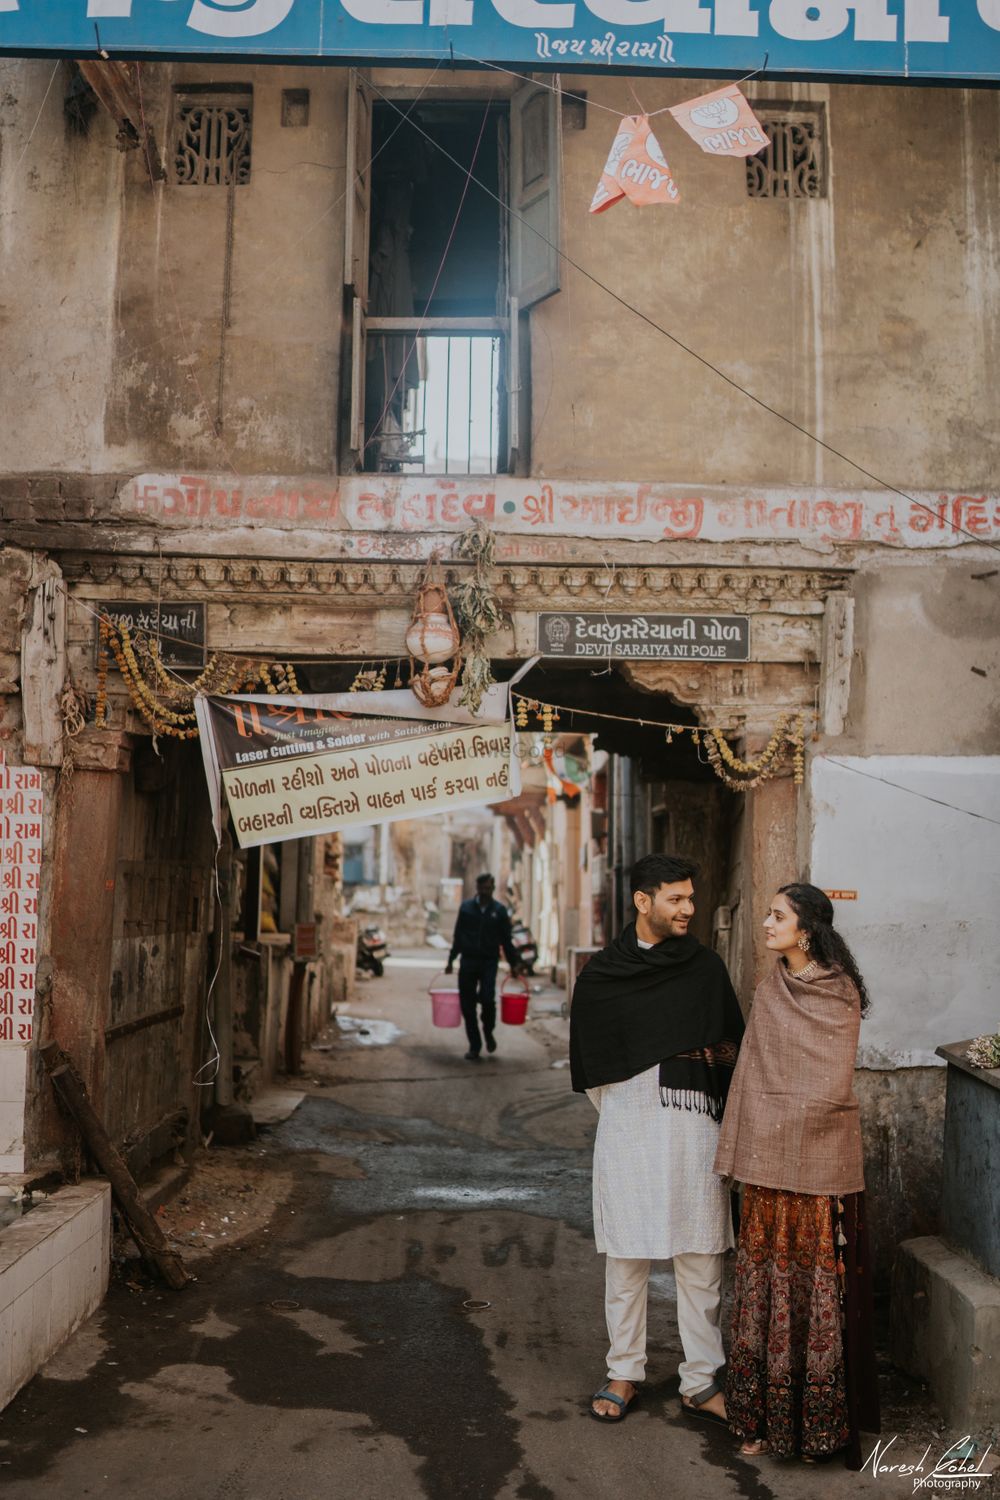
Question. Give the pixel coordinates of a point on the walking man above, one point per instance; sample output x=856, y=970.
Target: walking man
x=655, y=1027
x=482, y=928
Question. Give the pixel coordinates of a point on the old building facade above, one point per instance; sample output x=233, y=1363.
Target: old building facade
x=773, y=401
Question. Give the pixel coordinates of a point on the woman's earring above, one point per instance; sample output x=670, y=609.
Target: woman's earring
x=804, y=942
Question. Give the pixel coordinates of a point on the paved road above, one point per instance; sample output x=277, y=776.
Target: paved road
x=342, y=1354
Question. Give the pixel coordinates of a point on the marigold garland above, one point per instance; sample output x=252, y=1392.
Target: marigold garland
x=164, y=702
x=751, y=773
x=738, y=774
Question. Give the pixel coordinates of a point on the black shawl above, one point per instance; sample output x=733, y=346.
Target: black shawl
x=672, y=1004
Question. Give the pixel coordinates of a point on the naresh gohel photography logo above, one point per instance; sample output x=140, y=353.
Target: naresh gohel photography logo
x=959, y=1467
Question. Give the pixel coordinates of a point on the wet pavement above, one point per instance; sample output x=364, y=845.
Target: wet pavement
x=422, y=1318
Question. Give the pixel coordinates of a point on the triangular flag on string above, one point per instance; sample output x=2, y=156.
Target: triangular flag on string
x=635, y=169
x=722, y=123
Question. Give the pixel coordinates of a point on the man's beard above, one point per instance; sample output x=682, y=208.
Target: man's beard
x=663, y=927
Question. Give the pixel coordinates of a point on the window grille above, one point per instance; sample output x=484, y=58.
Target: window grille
x=794, y=164
x=433, y=395
x=212, y=143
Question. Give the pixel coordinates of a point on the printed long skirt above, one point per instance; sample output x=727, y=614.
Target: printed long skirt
x=801, y=1371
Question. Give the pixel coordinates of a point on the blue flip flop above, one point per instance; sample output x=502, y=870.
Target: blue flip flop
x=619, y=1401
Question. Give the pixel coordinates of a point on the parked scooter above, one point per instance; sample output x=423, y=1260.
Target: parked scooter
x=373, y=950
x=524, y=945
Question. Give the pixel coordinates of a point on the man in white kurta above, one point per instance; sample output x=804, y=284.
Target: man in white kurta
x=657, y=1198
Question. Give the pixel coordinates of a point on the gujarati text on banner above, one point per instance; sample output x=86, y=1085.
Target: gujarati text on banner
x=291, y=772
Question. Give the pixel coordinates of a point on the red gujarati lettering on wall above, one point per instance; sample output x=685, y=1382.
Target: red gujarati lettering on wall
x=194, y=498
x=585, y=514
x=956, y=513
x=21, y=809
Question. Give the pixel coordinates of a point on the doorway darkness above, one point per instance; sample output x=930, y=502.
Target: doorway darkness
x=427, y=259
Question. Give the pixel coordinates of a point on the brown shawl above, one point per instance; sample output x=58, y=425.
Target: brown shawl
x=791, y=1120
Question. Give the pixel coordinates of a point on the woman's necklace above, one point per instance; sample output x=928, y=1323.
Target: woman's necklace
x=810, y=970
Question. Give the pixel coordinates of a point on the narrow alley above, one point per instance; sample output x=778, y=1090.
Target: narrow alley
x=422, y=1316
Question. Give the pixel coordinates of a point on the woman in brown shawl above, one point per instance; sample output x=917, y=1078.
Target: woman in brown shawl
x=801, y=1375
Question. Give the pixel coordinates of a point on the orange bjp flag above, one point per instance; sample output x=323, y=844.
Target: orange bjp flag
x=635, y=169
x=722, y=123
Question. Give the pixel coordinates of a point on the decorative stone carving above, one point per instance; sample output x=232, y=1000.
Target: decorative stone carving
x=750, y=696
x=532, y=587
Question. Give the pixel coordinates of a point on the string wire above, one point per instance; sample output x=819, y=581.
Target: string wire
x=897, y=786
x=215, y=1058
x=694, y=354
x=31, y=132
x=619, y=114
x=593, y=713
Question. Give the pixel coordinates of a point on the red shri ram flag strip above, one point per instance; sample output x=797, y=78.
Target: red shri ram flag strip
x=293, y=767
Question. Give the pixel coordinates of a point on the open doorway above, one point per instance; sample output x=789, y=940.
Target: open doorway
x=437, y=255
x=452, y=233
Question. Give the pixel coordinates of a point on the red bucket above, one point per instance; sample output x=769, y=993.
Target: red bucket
x=446, y=1009
x=514, y=1003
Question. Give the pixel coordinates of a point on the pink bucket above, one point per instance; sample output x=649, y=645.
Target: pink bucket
x=446, y=1009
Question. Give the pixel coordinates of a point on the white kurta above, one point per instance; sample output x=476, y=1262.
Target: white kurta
x=655, y=1194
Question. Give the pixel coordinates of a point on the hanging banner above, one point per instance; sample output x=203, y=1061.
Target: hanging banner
x=290, y=772
x=916, y=39
x=20, y=882
x=722, y=123
x=636, y=169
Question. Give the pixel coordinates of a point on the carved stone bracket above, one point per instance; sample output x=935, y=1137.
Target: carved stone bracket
x=750, y=695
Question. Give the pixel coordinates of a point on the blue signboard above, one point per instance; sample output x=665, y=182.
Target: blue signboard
x=950, y=40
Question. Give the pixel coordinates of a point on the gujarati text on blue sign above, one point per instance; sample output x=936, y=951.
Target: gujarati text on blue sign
x=918, y=39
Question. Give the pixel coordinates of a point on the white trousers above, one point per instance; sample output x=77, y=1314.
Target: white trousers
x=699, y=1296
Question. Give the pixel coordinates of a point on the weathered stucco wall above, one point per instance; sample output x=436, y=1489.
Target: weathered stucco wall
x=278, y=405
x=60, y=206
x=871, y=317
x=902, y=1127
x=927, y=655
x=915, y=838
x=129, y=310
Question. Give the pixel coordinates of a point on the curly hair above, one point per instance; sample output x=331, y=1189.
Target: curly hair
x=814, y=910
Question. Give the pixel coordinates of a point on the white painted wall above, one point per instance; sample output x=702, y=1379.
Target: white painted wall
x=925, y=927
